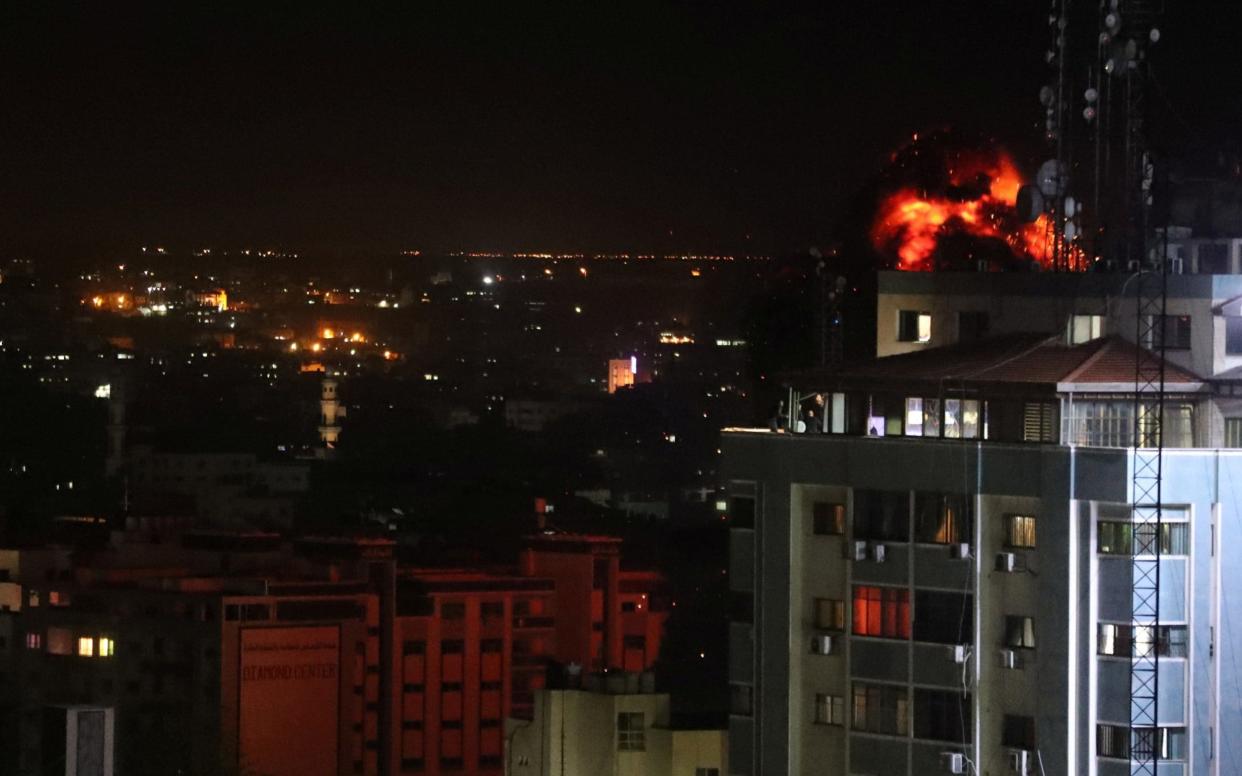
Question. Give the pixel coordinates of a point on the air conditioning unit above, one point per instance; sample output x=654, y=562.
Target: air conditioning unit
x=1019, y=762
x=1009, y=659
x=961, y=653
x=960, y=551
x=821, y=645
x=953, y=762
x=878, y=551
x=1006, y=561
x=860, y=550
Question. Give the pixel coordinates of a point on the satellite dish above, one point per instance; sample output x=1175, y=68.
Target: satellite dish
x=1071, y=207
x=1071, y=231
x=1052, y=179
x=1030, y=203
x=1046, y=96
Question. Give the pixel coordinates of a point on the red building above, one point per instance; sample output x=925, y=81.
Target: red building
x=318, y=657
x=606, y=618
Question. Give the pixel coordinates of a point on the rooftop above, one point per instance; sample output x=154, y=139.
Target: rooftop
x=1107, y=364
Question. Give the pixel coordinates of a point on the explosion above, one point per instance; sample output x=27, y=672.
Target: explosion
x=949, y=204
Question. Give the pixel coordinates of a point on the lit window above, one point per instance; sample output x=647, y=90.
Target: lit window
x=34, y=641
x=86, y=646
x=1020, y=531
x=882, y=611
x=913, y=326
x=914, y=416
x=1084, y=328
x=829, y=709
x=107, y=647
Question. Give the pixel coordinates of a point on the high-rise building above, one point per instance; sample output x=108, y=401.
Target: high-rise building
x=939, y=580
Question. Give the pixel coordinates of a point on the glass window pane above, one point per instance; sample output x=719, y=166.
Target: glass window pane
x=914, y=417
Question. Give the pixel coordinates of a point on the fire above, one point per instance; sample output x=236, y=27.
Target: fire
x=958, y=193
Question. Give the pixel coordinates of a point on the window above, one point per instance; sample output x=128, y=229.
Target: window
x=1116, y=537
x=453, y=611
x=34, y=641
x=1084, y=328
x=1233, y=335
x=880, y=709
x=452, y=647
x=913, y=326
x=828, y=519
x=1175, y=334
x=1018, y=732
x=1126, y=640
x=1020, y=531
x=1039, y=421
x=1233, y=431
x=86, y=646
x=741, y=699
x=942, y=715
x=107, y=647
x=1019, y=632
x=413, y=647
x=882, y=611
x=942, y=518
x=1165, y=743
x=1112, y=741
x=971, y=325
x=706, y=772
x=882, y=515
x=492, y=609
x=961, y=418
x=829, y=614
x=631, y=731
x=829, y=709
x=943, y=618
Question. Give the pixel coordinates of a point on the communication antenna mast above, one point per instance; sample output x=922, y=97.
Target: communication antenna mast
x=1124, y=175
x=1114, y=227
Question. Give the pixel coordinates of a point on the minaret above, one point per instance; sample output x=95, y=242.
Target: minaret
x=330, y=414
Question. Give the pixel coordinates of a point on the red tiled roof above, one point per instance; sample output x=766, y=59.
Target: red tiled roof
x=1016, y=358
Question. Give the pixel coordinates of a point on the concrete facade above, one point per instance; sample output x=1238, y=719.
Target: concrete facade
x=1062, y=690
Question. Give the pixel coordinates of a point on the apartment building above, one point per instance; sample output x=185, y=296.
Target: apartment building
x=938, y=578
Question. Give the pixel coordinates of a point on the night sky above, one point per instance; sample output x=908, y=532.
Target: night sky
x=687, y=126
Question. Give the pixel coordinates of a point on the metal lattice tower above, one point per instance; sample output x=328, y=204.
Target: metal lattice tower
x=1146, y=524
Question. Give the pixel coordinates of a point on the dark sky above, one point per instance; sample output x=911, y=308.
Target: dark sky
x=593, y=126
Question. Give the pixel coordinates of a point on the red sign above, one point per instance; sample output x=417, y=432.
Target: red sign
x=290, y=683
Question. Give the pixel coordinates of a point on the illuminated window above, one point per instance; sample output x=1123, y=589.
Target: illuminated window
x=1084, y=328
x=913, y=326
x=942, y=518
x=86, y=646
x=961, y=418
x=1020, y=531
x=34, y=641
x=882, y=611
x=107, y=647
